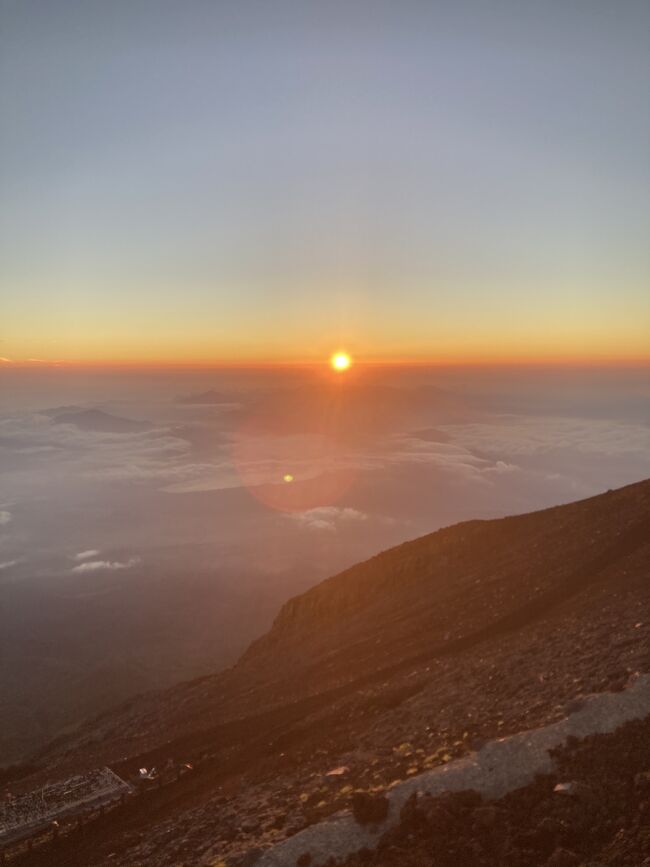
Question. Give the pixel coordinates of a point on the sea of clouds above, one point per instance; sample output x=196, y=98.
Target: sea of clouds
x=412, y=454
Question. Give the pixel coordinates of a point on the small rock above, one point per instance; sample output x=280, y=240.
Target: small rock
x=250, y=826
x=338, y=772
x=369, y=808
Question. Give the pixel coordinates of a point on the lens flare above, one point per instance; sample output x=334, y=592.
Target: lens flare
x=340, y=361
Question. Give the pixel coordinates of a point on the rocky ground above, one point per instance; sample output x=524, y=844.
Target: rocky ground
x=359, y=715
x=381, y=734
x=594, y=812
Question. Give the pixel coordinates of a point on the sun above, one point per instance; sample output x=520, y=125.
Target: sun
x=340, y=361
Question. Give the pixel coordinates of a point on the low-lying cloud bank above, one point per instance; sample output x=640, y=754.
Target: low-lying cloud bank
x=184, y=474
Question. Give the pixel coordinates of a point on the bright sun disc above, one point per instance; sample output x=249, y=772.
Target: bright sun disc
x=340, y=361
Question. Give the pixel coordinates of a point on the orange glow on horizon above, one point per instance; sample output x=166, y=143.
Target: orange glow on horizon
x=365, y=360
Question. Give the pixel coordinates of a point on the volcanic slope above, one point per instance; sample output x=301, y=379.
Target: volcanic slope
x=401, y=663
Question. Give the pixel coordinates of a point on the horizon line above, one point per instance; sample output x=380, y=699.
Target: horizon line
x=7, y=364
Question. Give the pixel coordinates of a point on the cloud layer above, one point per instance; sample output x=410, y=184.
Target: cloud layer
x=85, y=555
x=186, y=478
x=105, y=565
x=328, y=518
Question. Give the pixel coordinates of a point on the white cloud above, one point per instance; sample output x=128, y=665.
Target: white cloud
x=8, y=564
x=85, y=555
x=527, y=435
x=327, y=518
x=501, y=467
x=155, y=454
x=5, y=516
x=108, y=565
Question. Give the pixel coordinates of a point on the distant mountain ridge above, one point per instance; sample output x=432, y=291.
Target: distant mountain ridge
x=96, y=420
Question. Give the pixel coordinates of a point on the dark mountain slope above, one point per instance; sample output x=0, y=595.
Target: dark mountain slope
x=397, y=664
x=425, y=598
x=451, y=586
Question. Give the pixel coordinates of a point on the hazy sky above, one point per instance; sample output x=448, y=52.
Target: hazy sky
x=265, y=180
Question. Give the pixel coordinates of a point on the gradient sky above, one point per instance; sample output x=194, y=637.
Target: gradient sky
x=208, y=181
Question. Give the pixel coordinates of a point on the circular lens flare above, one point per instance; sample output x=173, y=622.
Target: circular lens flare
x=340, y=361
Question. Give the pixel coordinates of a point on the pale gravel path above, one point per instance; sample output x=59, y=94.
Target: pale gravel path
x=500, y=767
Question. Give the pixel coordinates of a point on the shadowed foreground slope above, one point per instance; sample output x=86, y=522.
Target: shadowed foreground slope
x=392, y=667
